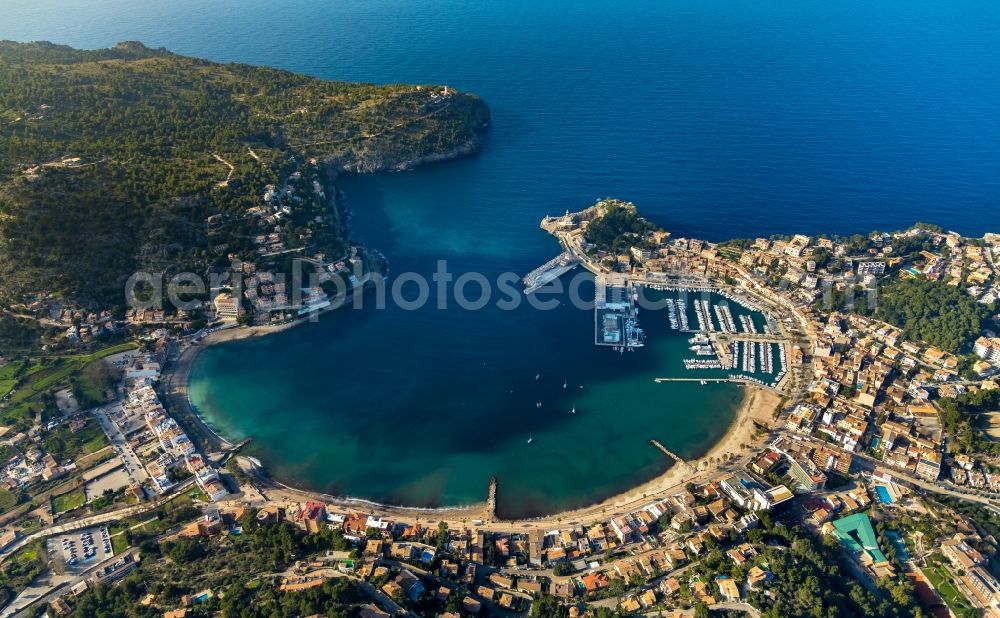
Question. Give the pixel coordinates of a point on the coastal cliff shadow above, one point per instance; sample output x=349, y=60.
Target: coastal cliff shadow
x=368, y=222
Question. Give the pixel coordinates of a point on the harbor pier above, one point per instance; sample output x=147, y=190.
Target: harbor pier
x=491, y=500
x=616, y=322
x=680, y=461
x=733, y=379
x=549, y=272
x=705, y=380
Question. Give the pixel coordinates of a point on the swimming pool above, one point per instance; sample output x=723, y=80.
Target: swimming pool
x=897, y=542
x=883, y=494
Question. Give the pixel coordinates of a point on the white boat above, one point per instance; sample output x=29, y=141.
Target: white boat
x=573, y=411
x=538, y=404
x=531, y=438
x=538, y=375
x=565, y=383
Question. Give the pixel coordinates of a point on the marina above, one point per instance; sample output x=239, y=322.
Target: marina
x=696, y=363
x=767, y=357
x=689, y=343
x=723, y=340
x=749, y=357
x=726, y=339
x=703, y=313
x=725, y=318
x=472, y=213
x=672, y=313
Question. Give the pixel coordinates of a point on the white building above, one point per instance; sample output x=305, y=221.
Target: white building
x=871, y=268
x=988, y=348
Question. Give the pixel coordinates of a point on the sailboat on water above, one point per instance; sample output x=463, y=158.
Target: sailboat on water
x=531, y=438
x=573, y=411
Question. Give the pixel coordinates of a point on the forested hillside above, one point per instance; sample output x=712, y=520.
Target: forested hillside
x=112, y=160
x=936, y=313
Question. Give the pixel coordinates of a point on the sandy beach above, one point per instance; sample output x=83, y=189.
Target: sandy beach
x=175, y=378
x=757, y=407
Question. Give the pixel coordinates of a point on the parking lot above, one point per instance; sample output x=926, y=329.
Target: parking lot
x=133, y=465
x=115, y=480
x=81, y=550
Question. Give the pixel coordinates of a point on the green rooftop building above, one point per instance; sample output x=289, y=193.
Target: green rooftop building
x=856, y=533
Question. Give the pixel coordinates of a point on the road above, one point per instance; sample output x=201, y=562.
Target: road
x=43, y=589
x=52, y=585
x=92, y=520
x=55, y=586
x=869, y=464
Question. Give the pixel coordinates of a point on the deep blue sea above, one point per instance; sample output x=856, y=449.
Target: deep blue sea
x=719, y=118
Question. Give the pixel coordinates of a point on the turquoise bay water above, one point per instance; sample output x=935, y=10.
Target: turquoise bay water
x=719, y=118
x=399, y=407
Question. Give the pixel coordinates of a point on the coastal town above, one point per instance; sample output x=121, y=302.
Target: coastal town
x=760, y=378
x=870, y=450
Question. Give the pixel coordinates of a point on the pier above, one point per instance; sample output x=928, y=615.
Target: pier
x=753, y=338
x=229, y=452
x=680, y=461
x=674, y=282
x=731, y=380
x=549, y=272
x=616, y=322
x=491, y=500
x=723, y=351
x=707, y=380
x=722, y=343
